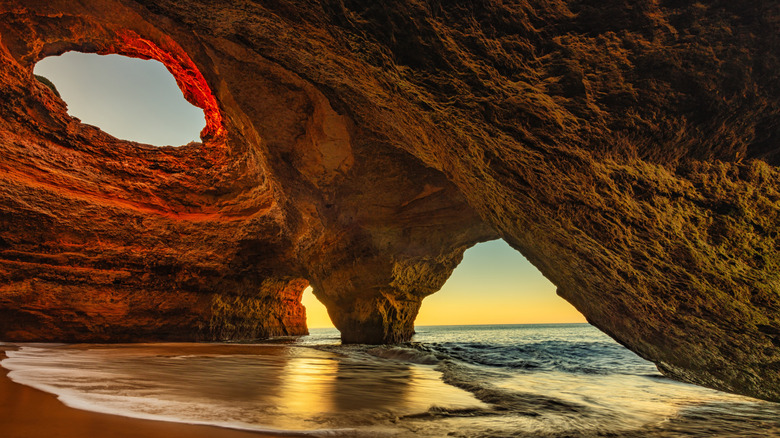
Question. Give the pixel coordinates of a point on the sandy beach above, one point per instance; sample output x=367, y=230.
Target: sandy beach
x=28, y=413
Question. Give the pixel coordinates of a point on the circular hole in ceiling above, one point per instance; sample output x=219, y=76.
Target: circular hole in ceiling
x=129, y=98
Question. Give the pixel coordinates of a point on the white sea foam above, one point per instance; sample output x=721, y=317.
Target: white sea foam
x=70, y=388
x=500, y=381
x=135, y=407
x=298, y=392
x=403, y=354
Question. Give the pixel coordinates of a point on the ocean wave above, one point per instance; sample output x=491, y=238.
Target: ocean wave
x=405, y=354
x=464, y=382
x=503, y=399
x=78, y=380
x=293, y=391
x=142, y=408
x=571, y=357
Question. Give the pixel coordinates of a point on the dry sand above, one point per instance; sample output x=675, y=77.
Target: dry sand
x=29, y=413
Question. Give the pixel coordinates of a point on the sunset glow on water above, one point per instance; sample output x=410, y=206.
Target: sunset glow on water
x=463, y=381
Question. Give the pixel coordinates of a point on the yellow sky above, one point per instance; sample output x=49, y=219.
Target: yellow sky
x=493, y=285
x=316, y=315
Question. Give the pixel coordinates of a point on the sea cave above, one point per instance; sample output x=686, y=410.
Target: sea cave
x=628, y=150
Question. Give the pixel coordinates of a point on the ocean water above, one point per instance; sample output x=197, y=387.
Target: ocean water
x=563, y=380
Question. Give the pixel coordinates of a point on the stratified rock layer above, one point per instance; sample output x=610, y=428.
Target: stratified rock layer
x=626, y=148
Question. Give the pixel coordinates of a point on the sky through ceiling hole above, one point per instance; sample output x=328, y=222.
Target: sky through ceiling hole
x=129, y=98
x=494, y=284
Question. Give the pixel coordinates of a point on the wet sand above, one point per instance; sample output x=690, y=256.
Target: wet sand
x=29, y=413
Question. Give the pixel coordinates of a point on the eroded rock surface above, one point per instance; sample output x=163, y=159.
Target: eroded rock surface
x=626, y=148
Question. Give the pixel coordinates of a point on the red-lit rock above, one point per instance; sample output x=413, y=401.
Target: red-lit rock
x=627, y=149
x=108, y=240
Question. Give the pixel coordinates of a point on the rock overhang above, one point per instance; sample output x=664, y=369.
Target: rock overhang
x=626, y=151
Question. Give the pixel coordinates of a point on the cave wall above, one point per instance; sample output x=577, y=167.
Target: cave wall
x=627, y=149
x=107, y=240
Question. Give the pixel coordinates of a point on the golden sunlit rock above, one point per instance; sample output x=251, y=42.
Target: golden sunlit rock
x=627, y=149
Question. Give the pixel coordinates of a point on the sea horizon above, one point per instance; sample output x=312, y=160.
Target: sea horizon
x=483, y=325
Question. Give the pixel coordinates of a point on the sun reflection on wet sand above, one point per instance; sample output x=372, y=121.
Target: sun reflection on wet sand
x=262, y=387
x=304, y=385
x=543, y=380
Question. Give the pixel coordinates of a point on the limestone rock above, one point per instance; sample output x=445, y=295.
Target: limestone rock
x=626, y=148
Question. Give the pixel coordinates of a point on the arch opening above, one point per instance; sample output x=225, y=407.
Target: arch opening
x=316, y=314
x=130, y=98
x=495, y=284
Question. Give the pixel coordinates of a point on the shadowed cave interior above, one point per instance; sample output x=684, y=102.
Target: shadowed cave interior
x=641, y=183
x=138, y=100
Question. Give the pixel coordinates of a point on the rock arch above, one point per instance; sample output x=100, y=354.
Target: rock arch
x=626, y=149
